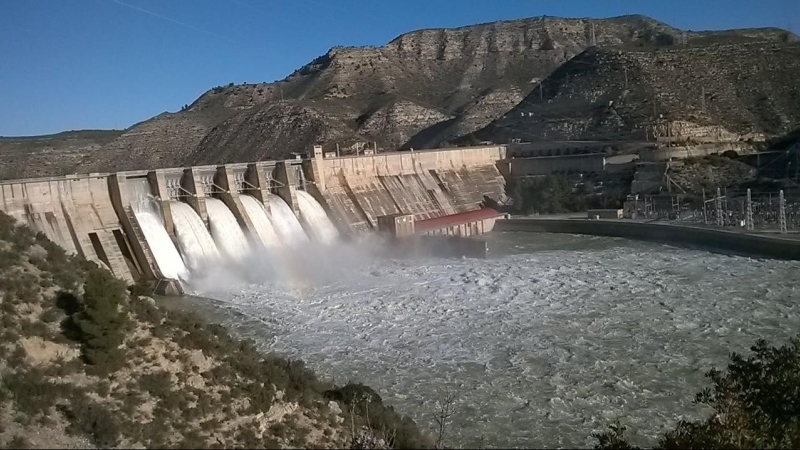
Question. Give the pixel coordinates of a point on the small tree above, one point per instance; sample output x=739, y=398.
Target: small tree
x=756, y=404
x=445, y=409
x=100, y=323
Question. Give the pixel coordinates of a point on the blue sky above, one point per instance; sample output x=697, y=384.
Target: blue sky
x=101, y=64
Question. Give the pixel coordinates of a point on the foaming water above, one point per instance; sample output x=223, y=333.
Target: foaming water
x=261, y=221
x=542, y=345
x=148, y=214
x=317, y=224
x=226, y=230
x=197, y=245
x=166, y=255
x=286, y=223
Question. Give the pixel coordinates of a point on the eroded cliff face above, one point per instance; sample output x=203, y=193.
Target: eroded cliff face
x=724, y=93
x=427, y=88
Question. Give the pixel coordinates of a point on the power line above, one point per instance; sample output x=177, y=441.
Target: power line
x=169, y=19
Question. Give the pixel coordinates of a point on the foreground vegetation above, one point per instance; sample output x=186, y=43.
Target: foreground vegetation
x=85, y=362
x=756, y=404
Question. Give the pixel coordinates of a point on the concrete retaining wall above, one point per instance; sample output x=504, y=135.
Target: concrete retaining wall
x=709, y=238
x=426, y=184
x=75, y=213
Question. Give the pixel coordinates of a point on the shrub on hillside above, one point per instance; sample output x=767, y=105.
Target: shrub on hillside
x=100, y=324
x=756, y=404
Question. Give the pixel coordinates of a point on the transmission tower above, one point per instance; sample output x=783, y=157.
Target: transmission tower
x=782, y=212
x=749, y=216
x=718, y=207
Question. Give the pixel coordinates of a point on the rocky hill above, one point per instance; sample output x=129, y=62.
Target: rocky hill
x=426, y=88
x=86, y=364
x=732, y=91
x=53, y=154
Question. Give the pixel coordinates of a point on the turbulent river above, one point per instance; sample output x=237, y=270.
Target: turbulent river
x=551, y=339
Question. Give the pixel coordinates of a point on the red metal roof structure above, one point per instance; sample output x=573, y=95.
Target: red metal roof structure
x=455, y=219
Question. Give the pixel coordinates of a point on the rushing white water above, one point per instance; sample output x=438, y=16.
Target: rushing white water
x=148, y=214
x=257, y=213
x=286, y=223
x=197, y=245
x=551, y=339
x=317, y=223
x=167, y=258
x=226, y=230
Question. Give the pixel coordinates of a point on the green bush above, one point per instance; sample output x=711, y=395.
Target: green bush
x=547, y=195
x=32, y=392
x=756, y=404
x=93, y=419
x=101, y=324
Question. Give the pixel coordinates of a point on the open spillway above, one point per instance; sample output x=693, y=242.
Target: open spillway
x=261, y=221
x=197, y=245
x=226, y=230
x=148, y=214
x=166, y=255
x=286, y=223
x=318, y=225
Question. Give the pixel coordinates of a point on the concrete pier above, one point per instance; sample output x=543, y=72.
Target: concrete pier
x=196, y=183
x=286, y=183
x=144, y=262
x=229, y=180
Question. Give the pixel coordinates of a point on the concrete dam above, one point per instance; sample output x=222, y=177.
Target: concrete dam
x=165, y=224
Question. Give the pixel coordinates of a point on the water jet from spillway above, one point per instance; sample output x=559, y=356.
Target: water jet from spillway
x=164, y=252
x=286, y=223
x=225, y=229
x=148, y=215
x=316, y=221
x=261, y=221
x=197, y=245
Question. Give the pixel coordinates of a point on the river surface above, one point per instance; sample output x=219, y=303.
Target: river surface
x=550, y=339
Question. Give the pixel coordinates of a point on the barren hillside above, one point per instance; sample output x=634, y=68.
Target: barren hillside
x=736, y=90
x=427, y=88
x=86, y=364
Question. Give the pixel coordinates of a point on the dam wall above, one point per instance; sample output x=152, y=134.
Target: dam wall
x=74, y=212
x=99, y=215
x=708, y=238
x=356, y=190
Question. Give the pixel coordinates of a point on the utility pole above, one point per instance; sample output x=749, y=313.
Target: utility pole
x=749, y=217
x=782, y=212
x=705, y=215
x=593, y=39
x=718, y=207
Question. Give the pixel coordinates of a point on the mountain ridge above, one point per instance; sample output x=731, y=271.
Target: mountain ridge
x=424, y=88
